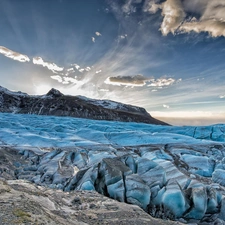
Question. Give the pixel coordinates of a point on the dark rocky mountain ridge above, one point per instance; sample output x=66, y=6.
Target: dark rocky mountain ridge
x=57, y=104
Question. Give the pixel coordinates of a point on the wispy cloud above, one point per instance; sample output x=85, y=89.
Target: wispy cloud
x=151, y=6
x=67, y=80
x=13, y=55
x=128, y=7
x=51, y=66
x=161, y=82
x=72, y=80
x=58, y=78
x=79, y=68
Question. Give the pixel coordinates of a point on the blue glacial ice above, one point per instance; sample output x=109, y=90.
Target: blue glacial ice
x=171, y=172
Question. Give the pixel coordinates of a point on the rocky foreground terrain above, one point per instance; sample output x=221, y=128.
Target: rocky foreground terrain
x=57, y=104
x=171, y=173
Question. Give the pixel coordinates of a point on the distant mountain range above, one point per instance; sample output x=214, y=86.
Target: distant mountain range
x=57, y=104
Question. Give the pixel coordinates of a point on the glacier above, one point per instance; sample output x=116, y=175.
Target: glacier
x=171, y=172
x=51, y=131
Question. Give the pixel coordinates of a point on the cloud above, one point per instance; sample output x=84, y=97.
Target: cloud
x=81, y=70
x=128, y=7
x=13, y=55
x=195, y=6
x=104, y=90
x=70, y=80
x=211, y=19
x=173, y=13
x=222, y=96
x=215, y=10
x=58, y=78
x=51, y=66
x=166, y=106
x=153, y=8
x=179, y=16
x=140, y=80
x=213, y=27
x=161, y=82
x=137, y=80
x=76, y=66
x=98, y=71
x=70, y=70
x=88, y=68
x=98, y=34
x=67, y=80
x=122, y=37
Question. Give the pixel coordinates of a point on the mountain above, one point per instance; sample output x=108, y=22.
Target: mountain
x=57, y=104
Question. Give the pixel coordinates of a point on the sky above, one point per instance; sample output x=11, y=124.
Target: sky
x=164, y=55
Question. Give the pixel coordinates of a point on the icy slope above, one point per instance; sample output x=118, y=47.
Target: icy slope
x=170, y=172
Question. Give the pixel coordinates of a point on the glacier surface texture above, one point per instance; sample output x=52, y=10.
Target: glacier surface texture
x=170, y=172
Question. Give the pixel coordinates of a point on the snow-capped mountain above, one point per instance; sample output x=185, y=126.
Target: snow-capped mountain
x=58, y=104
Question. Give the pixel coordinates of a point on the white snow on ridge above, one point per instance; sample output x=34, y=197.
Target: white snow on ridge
x=49, y=131
x=108, y=104
x=19, y=93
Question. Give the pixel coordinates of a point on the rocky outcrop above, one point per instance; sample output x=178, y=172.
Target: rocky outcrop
x=25, y=203
x=57, y=104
